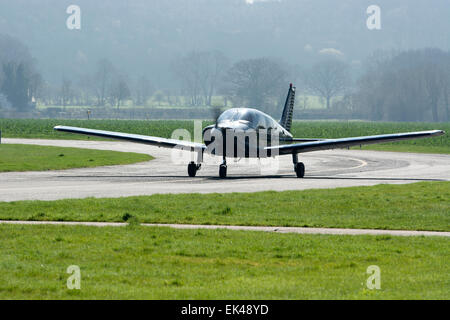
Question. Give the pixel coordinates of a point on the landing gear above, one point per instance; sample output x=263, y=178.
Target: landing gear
x=223, y=169
x=299, y=167
x=194, y=167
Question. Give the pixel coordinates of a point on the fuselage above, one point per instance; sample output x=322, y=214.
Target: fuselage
x=244, y=132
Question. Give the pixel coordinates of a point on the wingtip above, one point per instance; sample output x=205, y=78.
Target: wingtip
x=435, y=132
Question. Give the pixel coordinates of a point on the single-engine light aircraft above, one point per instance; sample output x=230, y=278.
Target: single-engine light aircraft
x=250, y=133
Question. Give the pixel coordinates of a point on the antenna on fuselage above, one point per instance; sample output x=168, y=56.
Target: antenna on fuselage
x=286, y=117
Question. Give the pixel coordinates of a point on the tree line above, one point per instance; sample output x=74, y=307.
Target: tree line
x=399, y=86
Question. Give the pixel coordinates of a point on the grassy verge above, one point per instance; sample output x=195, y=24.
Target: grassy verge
x=420, y=206
x=41, y=158
x=43, y=128
x=161, y=263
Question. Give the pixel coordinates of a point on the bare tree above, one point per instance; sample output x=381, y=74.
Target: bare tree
x=187, y=70
x=257, y=82
x=328, y=79
x=119, y=91
x=103, y=80
x=143, y=91
x=410, y=86
x=66, y=92
x=87, y=89
x=36, y=84
x=158, y=96
x=446, y=90
x=199, y=74
x=16, y=85
x=213, y=69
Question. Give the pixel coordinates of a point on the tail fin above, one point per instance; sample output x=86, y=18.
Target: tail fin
x=286, y=117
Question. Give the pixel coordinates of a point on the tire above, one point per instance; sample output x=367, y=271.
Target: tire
x=192, y=169
x=223, y=171
x=300, y=170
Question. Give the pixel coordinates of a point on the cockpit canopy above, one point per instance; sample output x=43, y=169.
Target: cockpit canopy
x=253, y=118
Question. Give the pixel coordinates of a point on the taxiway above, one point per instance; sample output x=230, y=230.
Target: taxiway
x=168, y=173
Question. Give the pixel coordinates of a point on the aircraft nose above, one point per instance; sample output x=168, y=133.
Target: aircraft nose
x=224, y=125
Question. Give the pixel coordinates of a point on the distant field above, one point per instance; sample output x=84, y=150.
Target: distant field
x=39, y=158
x=304, y=102
x=160, y=263
x=26, y=128
x=419, y=206
x=341, y=129
x=43, y=128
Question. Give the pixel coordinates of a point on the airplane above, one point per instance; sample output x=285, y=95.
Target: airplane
x=250, y=133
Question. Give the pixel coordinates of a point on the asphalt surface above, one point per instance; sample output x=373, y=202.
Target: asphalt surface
x=168, y=173
x=298, y=230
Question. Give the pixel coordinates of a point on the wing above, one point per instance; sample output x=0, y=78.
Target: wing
x=349, y=142
x=155, y=141
x=287, y=140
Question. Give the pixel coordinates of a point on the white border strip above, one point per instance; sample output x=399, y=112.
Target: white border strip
x=298, y=230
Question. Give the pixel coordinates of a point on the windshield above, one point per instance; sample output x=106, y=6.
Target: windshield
x=253, y=117
x=237, y=114
x=229, y=115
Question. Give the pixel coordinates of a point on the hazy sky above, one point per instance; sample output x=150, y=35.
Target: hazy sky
x=144, y=36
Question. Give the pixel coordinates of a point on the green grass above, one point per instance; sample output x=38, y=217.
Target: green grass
x=342, y=129
x=40, y=158
x=162, y=263
x=420, y=206
x=43, y=128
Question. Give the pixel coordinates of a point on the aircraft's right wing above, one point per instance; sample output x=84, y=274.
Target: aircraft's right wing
x=156, y=141
x=301, y=139
x=350, y=142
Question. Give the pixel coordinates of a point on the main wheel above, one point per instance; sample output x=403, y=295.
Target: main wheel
x=223, y=171
x=192, y=169
x=300, y=170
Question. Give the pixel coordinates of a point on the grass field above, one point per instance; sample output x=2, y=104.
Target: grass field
x=162, y=263
x=39, y=158
x=137, y=262
x=28, y=128
x=419, y=206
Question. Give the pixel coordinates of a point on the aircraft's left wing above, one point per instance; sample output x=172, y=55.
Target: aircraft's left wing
x=156, y=141
x=350, y=142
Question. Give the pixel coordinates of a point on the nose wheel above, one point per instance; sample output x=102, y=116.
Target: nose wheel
x=193, y=168
x=223, y=171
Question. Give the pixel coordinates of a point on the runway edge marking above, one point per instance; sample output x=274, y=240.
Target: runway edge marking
x=297, y=230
